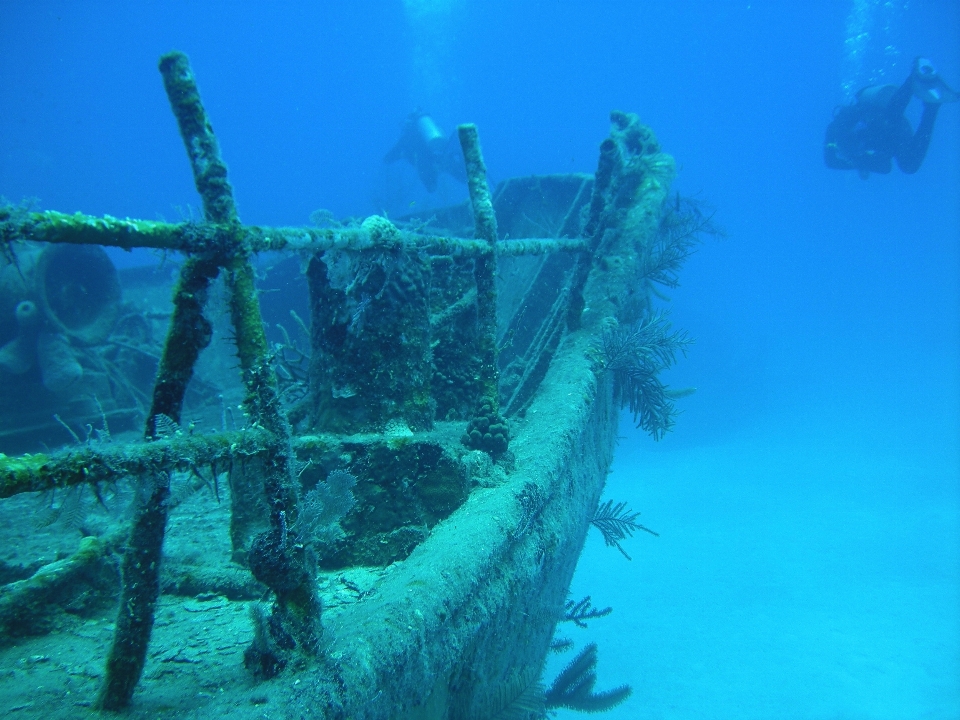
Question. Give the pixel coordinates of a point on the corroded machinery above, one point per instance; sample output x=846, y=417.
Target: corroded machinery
x=453, y=427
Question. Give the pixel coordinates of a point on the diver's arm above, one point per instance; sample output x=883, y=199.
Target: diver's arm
x=831, y=149
x=833, y=160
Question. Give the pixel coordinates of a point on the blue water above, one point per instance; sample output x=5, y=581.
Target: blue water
x=809, y=499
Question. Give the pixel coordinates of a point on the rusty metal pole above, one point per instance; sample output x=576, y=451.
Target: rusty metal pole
x=189, y=333
x=487, y=430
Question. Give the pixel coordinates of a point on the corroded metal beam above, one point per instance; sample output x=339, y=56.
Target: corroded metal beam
x=197, y=237
x=487, y=429
x=110, y=463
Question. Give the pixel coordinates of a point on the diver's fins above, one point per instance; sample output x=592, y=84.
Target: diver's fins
x=929, y=87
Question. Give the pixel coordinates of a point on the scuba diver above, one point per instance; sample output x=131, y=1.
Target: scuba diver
x=424, y=146
x=867, y=135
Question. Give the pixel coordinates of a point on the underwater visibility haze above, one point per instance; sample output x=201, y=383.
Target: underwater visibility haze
x=480, y=359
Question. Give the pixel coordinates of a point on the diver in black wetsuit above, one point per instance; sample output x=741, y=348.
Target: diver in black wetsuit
x=867, y=135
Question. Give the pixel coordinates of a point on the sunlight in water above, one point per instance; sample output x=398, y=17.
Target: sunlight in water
x=871, y=52
x=433, y=25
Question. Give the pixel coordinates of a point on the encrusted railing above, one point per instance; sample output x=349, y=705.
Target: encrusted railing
x=201, y=237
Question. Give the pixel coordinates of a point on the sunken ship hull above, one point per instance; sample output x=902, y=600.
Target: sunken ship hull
x=404, y=501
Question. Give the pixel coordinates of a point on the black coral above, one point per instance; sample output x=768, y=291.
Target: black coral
x=573, y=688
x=636, y=354
x=578, y=612
x=616, y=523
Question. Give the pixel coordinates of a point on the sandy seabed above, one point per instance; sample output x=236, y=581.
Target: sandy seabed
x=799, y=574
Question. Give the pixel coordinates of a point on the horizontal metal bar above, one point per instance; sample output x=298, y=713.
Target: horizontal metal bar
x=110, y=463
x=197, y=237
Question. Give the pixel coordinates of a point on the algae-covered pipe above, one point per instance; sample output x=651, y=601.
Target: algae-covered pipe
x=113, y=463
x=26, y=605
x=296, y=612
x=485, y=267
x=484, y=217
x=209, y=170
x=274, y=561
x=51, y=226
x=487, y=430
x=189, y=333
x=600, y=205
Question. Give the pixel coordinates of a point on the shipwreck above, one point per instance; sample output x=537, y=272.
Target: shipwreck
x=404, y=484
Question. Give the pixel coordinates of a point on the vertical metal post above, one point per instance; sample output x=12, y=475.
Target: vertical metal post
x=189, y=333
x=487, y=430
